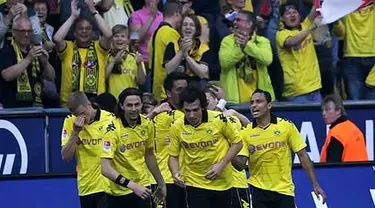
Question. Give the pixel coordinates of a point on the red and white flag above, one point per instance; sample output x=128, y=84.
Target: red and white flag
x=333, y=10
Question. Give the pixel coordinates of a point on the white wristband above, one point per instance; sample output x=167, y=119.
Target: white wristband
x=221, y=104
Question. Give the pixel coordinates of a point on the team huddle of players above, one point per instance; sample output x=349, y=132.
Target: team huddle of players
x=188, y=152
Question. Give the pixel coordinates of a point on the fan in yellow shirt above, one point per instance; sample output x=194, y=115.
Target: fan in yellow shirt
x=125, y=157
x=297, y=54
x=125, y=68
x=357, y=31
x=267, y=145
x=206, y=143
x=83, y=135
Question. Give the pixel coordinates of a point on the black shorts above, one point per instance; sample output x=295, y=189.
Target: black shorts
x=270, y=199
x=97, y=200
x=130, y=200
x=240, y=198
x=176, y=197
x=198, y=198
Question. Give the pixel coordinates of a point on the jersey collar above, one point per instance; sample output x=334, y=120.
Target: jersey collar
x=97, y=116
x=125, y=123
x=338, y=121
x=204, y=118
x=273, y=121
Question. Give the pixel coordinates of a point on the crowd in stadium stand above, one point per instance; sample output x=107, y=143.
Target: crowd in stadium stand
x=50, y=48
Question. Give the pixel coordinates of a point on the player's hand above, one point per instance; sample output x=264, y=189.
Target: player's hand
x=142, y=192
x=217, y=91
x=159, y=194
x=215, y=171
x=319, y=192
x=230, y=112
x=178, y=180
x=162, y=108
x=78, y=124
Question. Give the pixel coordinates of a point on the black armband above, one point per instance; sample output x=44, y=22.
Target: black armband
x=121, y=180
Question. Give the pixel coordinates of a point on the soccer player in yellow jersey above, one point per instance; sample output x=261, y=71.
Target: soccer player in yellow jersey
x=240, y=191
x=83, y=135
x=206, y=143
x=125, y=157
x=268, y=142
x=173, y=85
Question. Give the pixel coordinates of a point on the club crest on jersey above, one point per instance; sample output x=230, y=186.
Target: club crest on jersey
x=209, y=131
x=143, y=132
x=107, y=146
x=122, y=148
x=277, y=132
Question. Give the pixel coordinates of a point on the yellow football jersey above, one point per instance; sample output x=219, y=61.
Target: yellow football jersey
x=202, y=147
x=92, y=136
x=128, y=154
x=269, y=153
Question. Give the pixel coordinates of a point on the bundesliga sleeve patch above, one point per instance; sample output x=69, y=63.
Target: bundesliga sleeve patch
x=107, y=146
x=64, y=134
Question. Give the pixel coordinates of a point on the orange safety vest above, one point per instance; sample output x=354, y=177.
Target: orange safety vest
x=352, y=139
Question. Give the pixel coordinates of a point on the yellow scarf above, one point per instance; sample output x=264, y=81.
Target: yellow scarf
x=24, y=90
x=196, y=53
x=44, y=33
x=91, y=72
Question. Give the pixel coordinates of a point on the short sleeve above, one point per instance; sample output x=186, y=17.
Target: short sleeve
x=306, y=23
x=63, y=53
x=245, y=148
x=281, y=37
x=67, y=130
x=110, y=138
x=135, y=19
x=100, y=49
x=169, y=53
x=230, y=131
x=295, y=140
x=174, y=148
x=150, y=136
x=206, y=57
x=10, y=59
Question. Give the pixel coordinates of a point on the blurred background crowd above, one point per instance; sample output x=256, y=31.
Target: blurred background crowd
x=50, y=48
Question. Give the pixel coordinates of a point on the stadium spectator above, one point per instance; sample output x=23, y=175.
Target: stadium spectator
x=3, y=30
x=230, y=9
x=24, y=68
x=105, y=101
x=65, y=10
x=270, y=173
x=82, y=135
x=10, y=11
x=345, y=141
x=356, y=29
x=186, y=9
x=124, y=159
x=194, y=56
x=127, y=5
x=244, y=57
x=302, y=80
x=149, y=103
x=47, y=31
x=163, y=116
x=116, y=15
x=144, y=23
x=83, y=60
x=204, y=143
x=124, y=68
x=165, y=36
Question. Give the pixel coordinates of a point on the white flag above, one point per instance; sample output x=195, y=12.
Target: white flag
x=332, y=10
